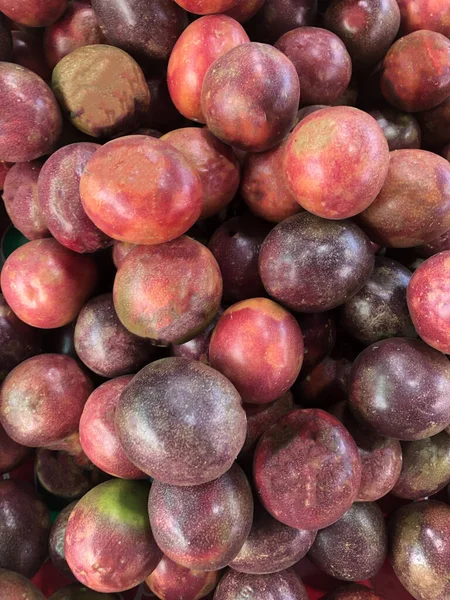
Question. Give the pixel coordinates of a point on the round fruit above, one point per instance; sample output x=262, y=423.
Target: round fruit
x=141, y=190
x=198, y=347
x=11, y=453
x=56, y=540
x=319, y=337
x=427, y=14
x=435, y=125
x=6, y=44
x=285, y=585
x=401, y=130
x=76, y=591
x=353, y=591
x=299, y=492
x=34, y=14
x=28, y=51
x=120, y=251
x=400, y=388
x=277, y=17
x=17, y=587
x=202, y=527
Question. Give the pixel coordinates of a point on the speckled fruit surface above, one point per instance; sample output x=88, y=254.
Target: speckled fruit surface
x=46, y=284
x=355, y=547
x=42, y=399
x=324, y=166
x=400, y=388
x=30, y=122
x=258, y=345
x=34, y=14
x=416, y=71
x=101, y=89
x=202, y=527
x=296, y=274
x=12, y=454
x=353, y=591
x=413, y=206
x=239, y=105
x=169, y=292
x=296, y=491
x=319, y=337
x=194, y=434
x=141, y=190
x=109, y=545
x=429, y=300
x=203, y=41
x=420, y=549
x=427, y=14
x=401, y=130
x=285, y=585
x=17, y=587
x=56, y=540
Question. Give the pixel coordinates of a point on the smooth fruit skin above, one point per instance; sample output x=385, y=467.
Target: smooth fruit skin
x=319, y=337
x=216, y=163
x=324, y=165
x=355, y=547
x=60, y=202
x=353, y=591
x=400, y=388
x=24, y=528
x=264, y=188
x=322, y=62
x=120, y=252
x=366, y=28
x=401, y=130
x=56, y=540
x=245, y=10
x=440, y=244
x=6, y=44
x=30, y=122
x=28, y=52
x=413, y=206
x=277, y=17
x=198, y=347
x=170, y=581
x=285, y=585
x=250, y=97
x=46, y=284
x=313, y=265
x=119, y=552
x=202, y=42
x=98, y=435
x=202, y=527
x=416, y=71
x=435, y=124
x=271, y=547
x=168, y=292
x=326, y=488
x=428, y=298
x=193, y=435
x=12, y=454
x=141, y=190
x=419, y=548
x=427, y=14
x=42, y=400
x=101, y=89
x=34, y=14
x=17, y=587
x=146, y=29
x=76, y=28
x=207, y=7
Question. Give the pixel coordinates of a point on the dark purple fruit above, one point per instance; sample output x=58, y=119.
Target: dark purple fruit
x=402, y=131
x=6, y=45
x=277, y=17
x=285, y=585
x=56, y=541
x=353, y=591
x=198, y=347
x=319, y=337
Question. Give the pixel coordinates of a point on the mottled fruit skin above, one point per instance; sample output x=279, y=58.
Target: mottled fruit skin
x=56, y=540
x=120, y=251
x=24, y=529
x=60, y=202
x=285, y=585
x=271, y=546
x=76, y=591
x=435, y=124
x=141, y=190
x=428, y=298
x=20, y=196
x=299, y=492
x=12, y=454
x=146, y=29
x=245, y=10
x=416, y=71
x=322, y=62
x=325, y=167
x=34, y=14
x=367, y=28
x=319, y=337
x=18, y=341
x=401, y=130
x=236, y=245
x=296, y=274
x=202, y=527
x=353, y=591
x=264, y=188
x=46, y=284
x=250, y=97
x=400, y=388
x=28, y=52
x=203, y=42
x=102, y=90
x=413, y=206
x=6, y=45
x=379, y=310
x=98, y=435
x=163, y=405
x=198, y=347
x=381, y=457
x=17, y=587
x=119, y=551
x=42, y=399
x=420, y=550
x=277, y=17
x=30, y=121
x=170, y=581
x=215, y=162
x=207, y=7
x=355, y=547
x=77, y=28
x=427, y=14
x=168, y=292
x=104, y=345
x=258, y=345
